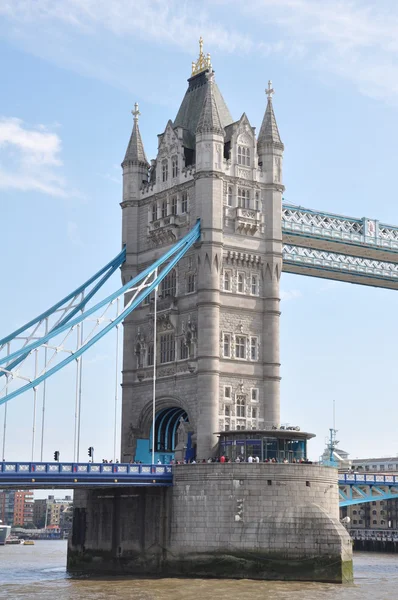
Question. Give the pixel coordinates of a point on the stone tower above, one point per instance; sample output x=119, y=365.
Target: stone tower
x=217, y=343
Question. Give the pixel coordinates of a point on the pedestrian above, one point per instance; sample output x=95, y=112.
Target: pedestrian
x=250, y=458
x=257, y=460
x=222, y=459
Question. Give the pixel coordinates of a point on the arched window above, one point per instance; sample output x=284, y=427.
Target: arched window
x=243, y=198
x=184, y=202
x=174, y=205
x=168, y=287
x=150, y=355
x=227, y=281
x=174, y=166
x=229, y=196
x=165, y=170
x=154, y=211
x=240, y=406
x=164, y=209
x=244, y=156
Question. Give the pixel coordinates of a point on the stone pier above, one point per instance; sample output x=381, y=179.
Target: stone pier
x=258, y=521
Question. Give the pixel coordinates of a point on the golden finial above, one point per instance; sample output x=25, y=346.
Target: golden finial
x=203, y=63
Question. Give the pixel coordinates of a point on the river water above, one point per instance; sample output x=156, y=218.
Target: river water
x=38, y=573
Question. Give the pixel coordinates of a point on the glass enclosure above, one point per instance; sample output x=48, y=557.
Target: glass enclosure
x=262, y=444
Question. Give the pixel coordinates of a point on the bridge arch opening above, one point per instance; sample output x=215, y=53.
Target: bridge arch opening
x=167, y=438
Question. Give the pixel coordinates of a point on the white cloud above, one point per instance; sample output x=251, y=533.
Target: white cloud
x=30, y=158
x=354, y=40
x=287, y=295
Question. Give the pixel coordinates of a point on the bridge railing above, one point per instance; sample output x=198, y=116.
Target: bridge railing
x=362, y=479
x=17, y=469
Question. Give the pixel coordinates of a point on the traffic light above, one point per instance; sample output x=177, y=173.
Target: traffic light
x=56, y=455
x=91, y=452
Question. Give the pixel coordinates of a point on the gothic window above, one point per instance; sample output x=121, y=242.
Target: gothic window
x=227, y=391
x=241, y=283
x=253, y=348
x=240, y=406
x=139, y=355
x=254, y=285
x=244, y=156
x=184, y=350
x=165, y=170
x=154, y=211
x=229, y=196
x=254, y=395
x=227, y=281
x=254, y=413
x=257, y=207
x=227, y=410
x=150, y=355
x=174, y=205
x=164, y=209
x=174, y=166
x=168, y=287
x=226, y=428
x=374, y=512
x=227, y=345
x=243, y=198
x=167, y=348
x=374, y=522
x=240, y=343
x=191, y=283
x=184, y=202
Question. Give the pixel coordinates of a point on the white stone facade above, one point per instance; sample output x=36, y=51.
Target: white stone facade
x=218, y=319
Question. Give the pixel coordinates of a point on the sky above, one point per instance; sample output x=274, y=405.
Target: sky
x=70, y=74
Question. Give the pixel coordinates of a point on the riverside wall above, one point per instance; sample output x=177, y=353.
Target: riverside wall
x=259, y=521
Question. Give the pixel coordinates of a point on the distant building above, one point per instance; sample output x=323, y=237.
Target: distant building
x=16, y=507
x=373, y=465
x=48, y=511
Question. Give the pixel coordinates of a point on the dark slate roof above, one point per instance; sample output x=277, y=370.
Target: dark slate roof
x=269, y=129
x=192, y=104
x=135, y=150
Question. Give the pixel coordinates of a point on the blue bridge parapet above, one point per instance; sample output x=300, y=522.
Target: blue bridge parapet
x=35, y=475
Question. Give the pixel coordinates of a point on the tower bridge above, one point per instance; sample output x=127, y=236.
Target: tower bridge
x=206, y=236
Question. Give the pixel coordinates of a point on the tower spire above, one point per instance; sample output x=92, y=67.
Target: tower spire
x=209, y=120
x=269, y=132
x=135, y=152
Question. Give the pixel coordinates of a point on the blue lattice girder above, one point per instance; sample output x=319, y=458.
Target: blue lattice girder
x=143, y=284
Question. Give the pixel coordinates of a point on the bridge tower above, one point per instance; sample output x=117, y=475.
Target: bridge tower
x=217, y=346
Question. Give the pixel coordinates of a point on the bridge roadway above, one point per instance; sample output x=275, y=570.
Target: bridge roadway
x=332, y=246
x=353, y=488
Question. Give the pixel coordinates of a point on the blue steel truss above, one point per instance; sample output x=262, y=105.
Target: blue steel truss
x=137, y=289
x=358, y=488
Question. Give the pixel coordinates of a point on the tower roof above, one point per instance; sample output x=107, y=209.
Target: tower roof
x=269, y=132
x=192, y=104
x=209, y=119
x=135, y=150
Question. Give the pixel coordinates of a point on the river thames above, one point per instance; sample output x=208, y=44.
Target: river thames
x=38, y=572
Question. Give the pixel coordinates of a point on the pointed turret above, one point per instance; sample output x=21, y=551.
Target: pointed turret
x=209, y=120
x=269, y=132
x=135, y=152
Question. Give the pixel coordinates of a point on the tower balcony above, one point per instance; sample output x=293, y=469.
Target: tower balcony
x=163, y=230
x=247, y=221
